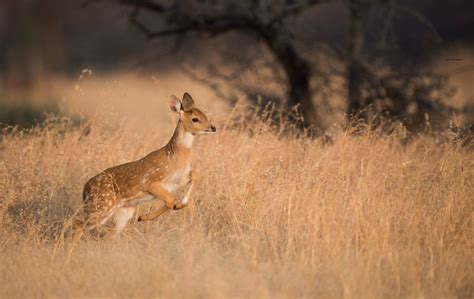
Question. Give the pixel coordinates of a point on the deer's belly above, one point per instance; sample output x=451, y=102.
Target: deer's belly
x=139, y=200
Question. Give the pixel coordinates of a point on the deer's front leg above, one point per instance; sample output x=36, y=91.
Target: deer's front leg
x=186, y=198
x=159, y=192
x=153, y=215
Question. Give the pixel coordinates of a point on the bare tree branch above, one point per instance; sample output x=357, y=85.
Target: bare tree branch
x=293, y=10
x=213, y=24
x=134, y=20
x=420, y=18
x=145, y=4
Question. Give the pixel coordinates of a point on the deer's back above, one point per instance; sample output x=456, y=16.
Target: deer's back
x=130, y=180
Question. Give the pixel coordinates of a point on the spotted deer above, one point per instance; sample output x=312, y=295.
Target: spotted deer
x=119, y=190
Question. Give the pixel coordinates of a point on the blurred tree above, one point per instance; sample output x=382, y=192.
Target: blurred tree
x=354, y=64
x=264, y=19
x=408, y=94
x=32, y=46
x=271, y=22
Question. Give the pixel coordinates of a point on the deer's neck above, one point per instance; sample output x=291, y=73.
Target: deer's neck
x=181, y=140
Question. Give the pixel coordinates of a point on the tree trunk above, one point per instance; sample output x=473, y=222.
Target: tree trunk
x=354, y=69
x=298, y=73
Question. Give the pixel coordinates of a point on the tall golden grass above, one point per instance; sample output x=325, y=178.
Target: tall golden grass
x=275, y=214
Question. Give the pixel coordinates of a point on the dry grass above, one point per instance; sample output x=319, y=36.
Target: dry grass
x=274, y=216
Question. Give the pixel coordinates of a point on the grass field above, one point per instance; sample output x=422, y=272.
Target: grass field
x=274, y=215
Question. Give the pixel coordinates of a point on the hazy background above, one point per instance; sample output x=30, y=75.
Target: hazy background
x=45, y=46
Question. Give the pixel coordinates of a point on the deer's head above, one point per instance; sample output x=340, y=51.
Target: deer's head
x=194, y=120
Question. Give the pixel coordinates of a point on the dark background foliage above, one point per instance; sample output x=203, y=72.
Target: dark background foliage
x=289, y=52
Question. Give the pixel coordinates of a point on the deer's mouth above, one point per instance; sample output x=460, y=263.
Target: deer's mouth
x=207, y=132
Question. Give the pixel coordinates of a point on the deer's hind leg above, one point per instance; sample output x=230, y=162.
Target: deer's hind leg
x=122, y=217
x=98, y=209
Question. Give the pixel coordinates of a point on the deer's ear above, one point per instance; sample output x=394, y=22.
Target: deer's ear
x=188, y=102
x=175, y=104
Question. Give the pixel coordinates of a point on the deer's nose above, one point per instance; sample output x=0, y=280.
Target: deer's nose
x=213, y=129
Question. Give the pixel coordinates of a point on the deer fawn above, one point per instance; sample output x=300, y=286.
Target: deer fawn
x=117, y=191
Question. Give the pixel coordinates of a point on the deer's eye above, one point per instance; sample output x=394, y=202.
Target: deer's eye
x=195, y=120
